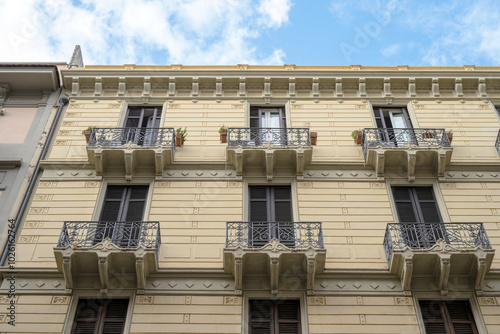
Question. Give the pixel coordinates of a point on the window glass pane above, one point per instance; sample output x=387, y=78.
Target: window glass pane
x=282, y=193
x=401, y=193
x=258, y=212
x=283, y=212
x=424, y=193
x=115, y=192
x=406, y=213
x=135, y=211
x=135, y=112
x=258, y=192
x=139, y=192
x=132, y=123
x=254, y=112
x=430, y=212
x=110, y=211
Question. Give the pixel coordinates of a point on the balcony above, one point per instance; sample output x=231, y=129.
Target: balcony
x=497, y=143
x=275, y=250
x=272, y=150
x=439, y=250
x=119, y=253
x=133, y=150
x=407, y=151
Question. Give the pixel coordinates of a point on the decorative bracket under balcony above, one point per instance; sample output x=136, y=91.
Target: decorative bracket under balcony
x=131, y=150
x=269, y=149
x=497, y=143
x=119, y=253
x=406, y=150
x=458, y=250
x=276, y=259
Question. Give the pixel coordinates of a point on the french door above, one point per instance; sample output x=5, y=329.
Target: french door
x=394, y=122
x=267, y=125
x=142, y=124
x=270, y=214
x=121, y=215
x=418, y=213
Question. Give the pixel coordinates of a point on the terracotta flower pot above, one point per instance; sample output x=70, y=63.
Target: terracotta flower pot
x=428, y=135
x=179, y=140
x=314, y=137
x=87, y=135
x=223, y=136
x=358, y=138
x=450, y=136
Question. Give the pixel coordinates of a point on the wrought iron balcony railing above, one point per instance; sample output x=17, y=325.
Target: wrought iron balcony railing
x=262, y=136
x=497, y=143
x=123, y=234
x=138, y=136
x=425, y=235
x=394, y=137
x=258, y=234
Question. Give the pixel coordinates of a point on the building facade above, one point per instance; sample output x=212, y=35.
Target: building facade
x=28, y=94
x=283, y=225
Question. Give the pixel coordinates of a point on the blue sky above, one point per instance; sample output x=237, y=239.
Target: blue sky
x=314, y=32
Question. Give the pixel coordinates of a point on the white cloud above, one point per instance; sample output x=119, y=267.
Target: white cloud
x=391, y=50
x=132, y=31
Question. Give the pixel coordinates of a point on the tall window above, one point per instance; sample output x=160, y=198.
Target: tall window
x=270, y=211
x=141, y=125
x=100, y=316
x=447, y=317
x=123, y=208
x=418, y=205
x=393, y=121
x=274, y=317
x=267, y=125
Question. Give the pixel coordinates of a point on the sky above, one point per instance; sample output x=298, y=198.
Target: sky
x=274, y=32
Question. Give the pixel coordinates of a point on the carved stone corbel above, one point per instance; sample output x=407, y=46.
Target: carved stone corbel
x=435, y=87
x=129, y=164
x=75, y=86
x=311, y=270
x=315, y=87
x=243, y=89
x=140, y=272
x=274, y=270
x=301, y=161
x=481, y=272
x=444, y=273
x=380, y=162
x=238, y=160
x=412, y=87
x=98, y=86
x=121, y=86
x=407, y=273
x=98, y=161
x=158, y=161
x=338, y=87
x=291, y=86
x=269, y=164
x=267, y=86
x=147, y=87
x=103, y=266
x=481, y=88
x=362, y=87
x=459, y=87
x=195, y=88
x=171, y=86
x=218, y=86
x=412, y=162
x=238, y=273
x=68, y=275
x=387, y=87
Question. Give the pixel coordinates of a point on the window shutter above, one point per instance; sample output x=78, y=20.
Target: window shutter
x=114, y=317
x=95, y=316
x=445, y=317
x=260, y=318
x=288, y=317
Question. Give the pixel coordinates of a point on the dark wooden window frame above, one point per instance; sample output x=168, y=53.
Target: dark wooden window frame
x=258, y=118
x=444, y=317
x=415, y=201
x=378, y=113
x=270, y=201
x=157, y=113
x=273, y=322
x=101, y=319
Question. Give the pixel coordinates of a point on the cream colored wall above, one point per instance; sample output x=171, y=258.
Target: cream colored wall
x=352, y=234
x=475, y=202
x=188, y=314
x=53, y=203
x=15, y=124
x=203, y=120
x=69, y=143
x=490, y=312
x=474, y=124
x=37, y=314
x=334, y=122
x=361, y=314
x=193, y=216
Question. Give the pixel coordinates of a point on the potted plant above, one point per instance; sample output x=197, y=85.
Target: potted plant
x=314, y=137
x=87, y=133
x=357, y=135
x=223, y=133
x=450, y=135
x=180, y=136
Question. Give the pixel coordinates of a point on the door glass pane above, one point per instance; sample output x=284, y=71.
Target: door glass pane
x=258, y=211
x=406, y=213
x=274, y=120
x=283, y=212
x=132, y=123
x=430, y=212
x=135, y=211
x=135, y=111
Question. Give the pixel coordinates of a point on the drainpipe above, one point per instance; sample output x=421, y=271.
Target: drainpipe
x=62, y=102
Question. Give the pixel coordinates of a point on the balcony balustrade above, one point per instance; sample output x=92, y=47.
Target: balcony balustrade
x=109, y=249
x=423, y=148
x=271, y=149
x=259, y=248
x=131, y=149
x=457, y=249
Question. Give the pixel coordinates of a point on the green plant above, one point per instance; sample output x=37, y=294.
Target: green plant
x=90, y=128
x=353, y=133
x=222, y=127
x=450, y=130
x=184, y=133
